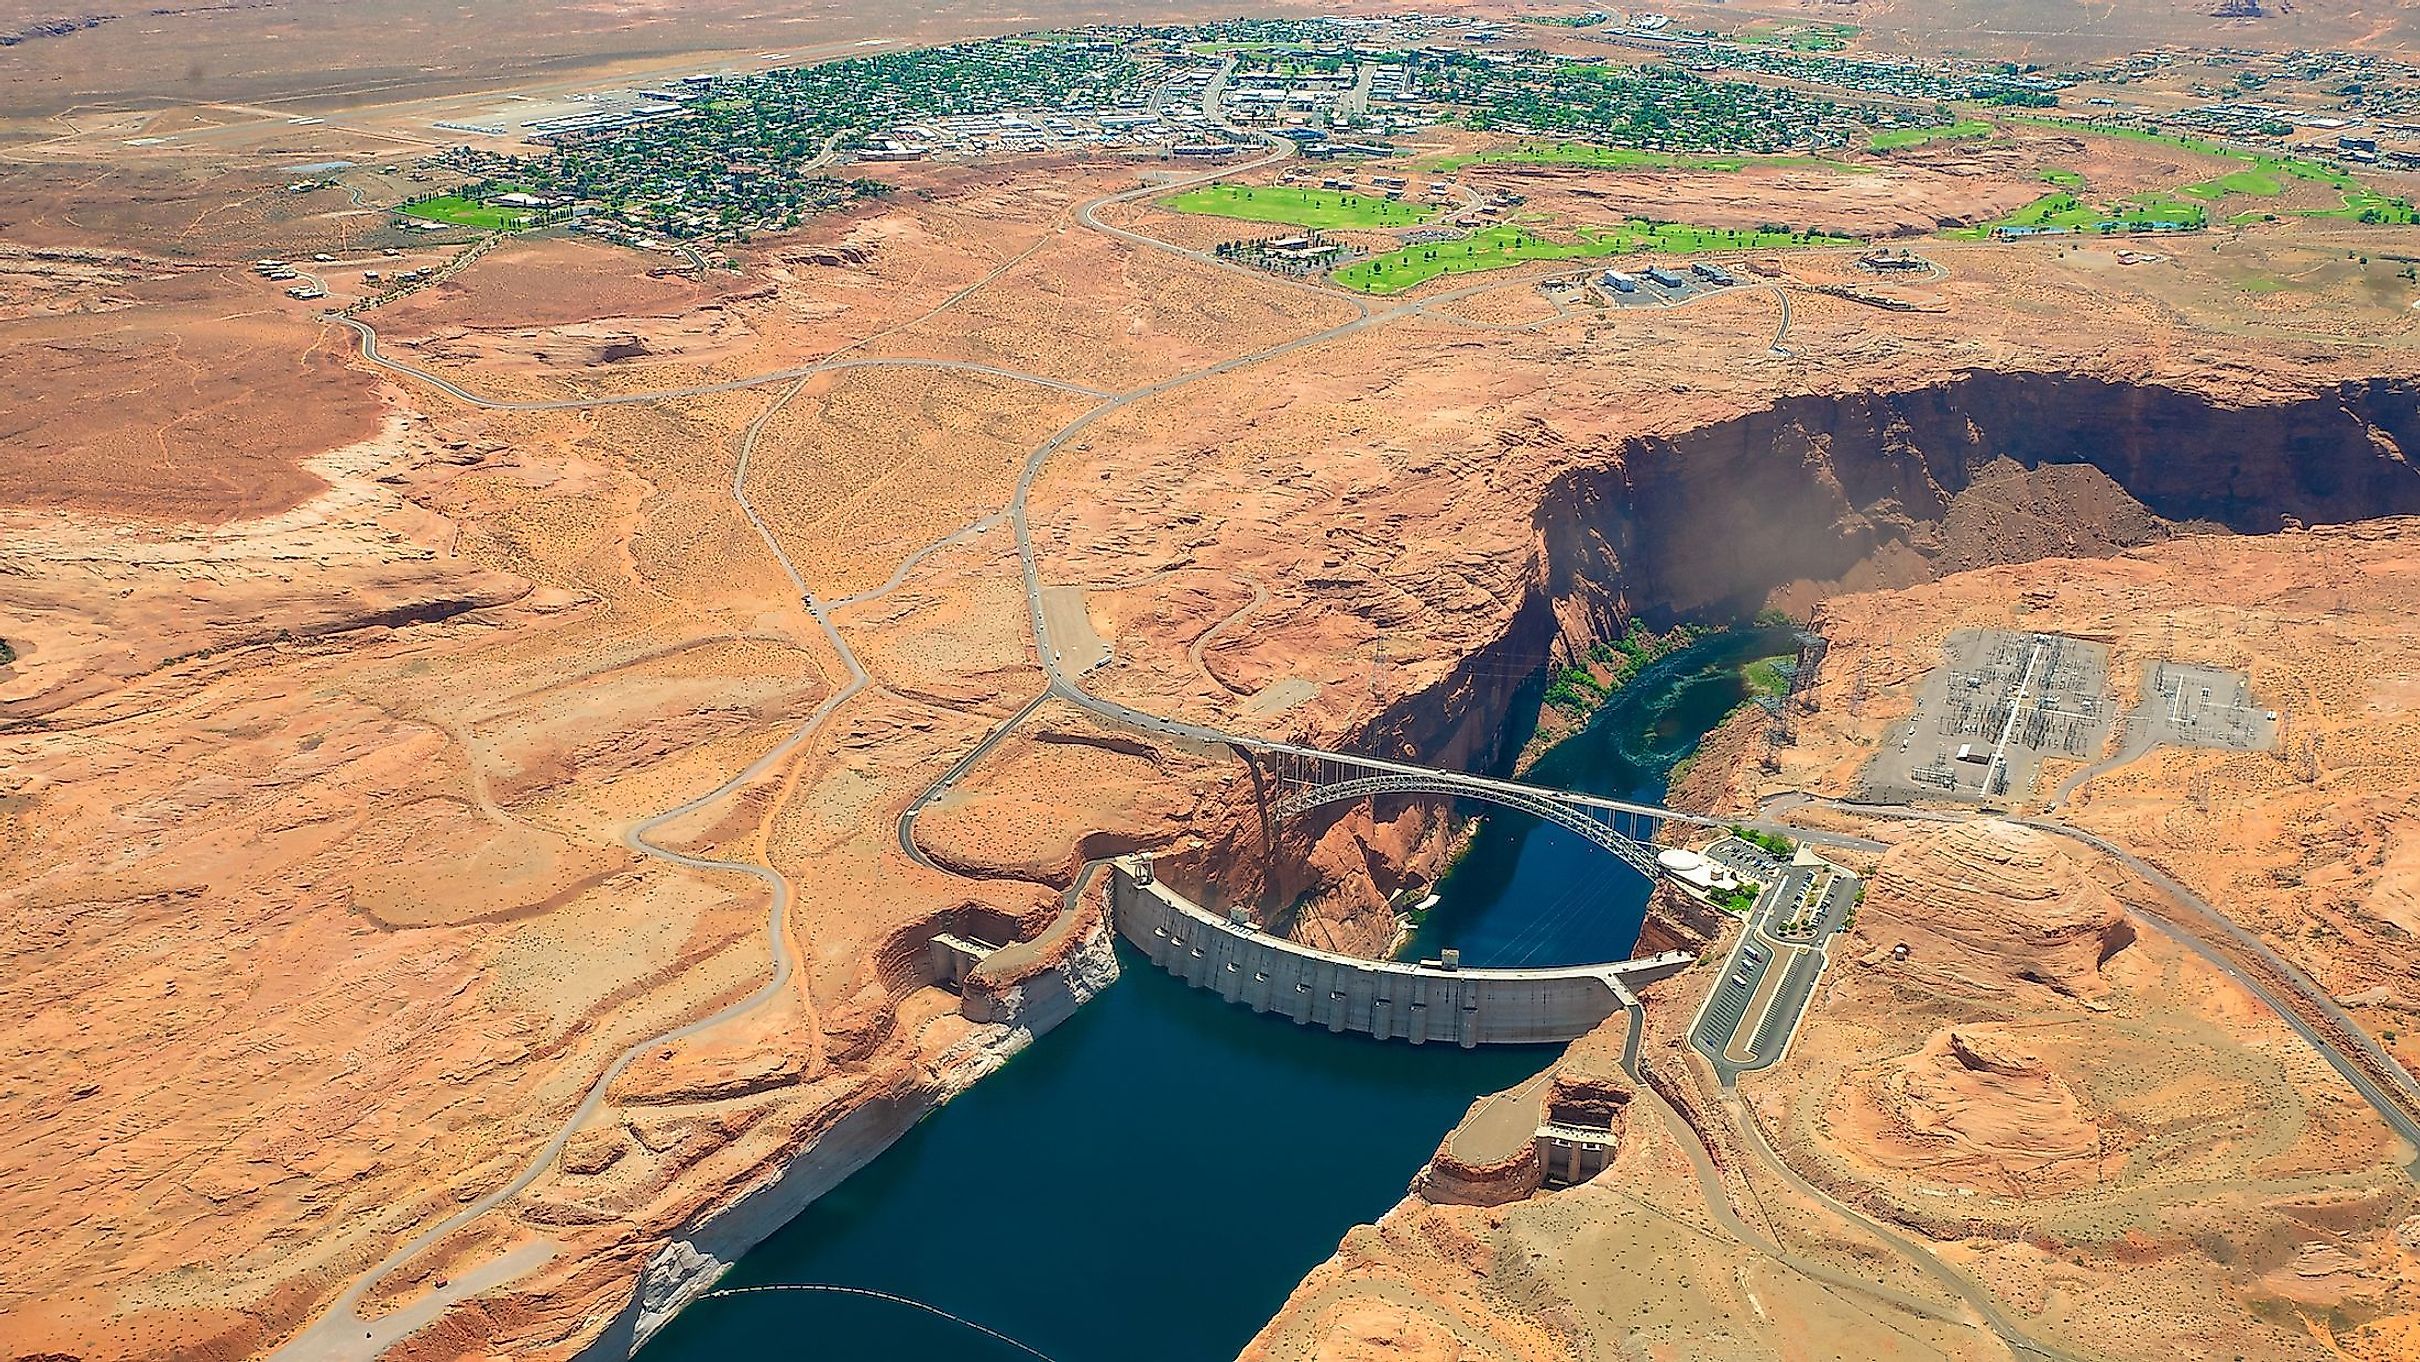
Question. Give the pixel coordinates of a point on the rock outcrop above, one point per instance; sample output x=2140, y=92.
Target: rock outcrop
x=1992, y=906
x=1596, y=1100
x=1452, y=1179
x=1975, y=1107
x=1677, y=922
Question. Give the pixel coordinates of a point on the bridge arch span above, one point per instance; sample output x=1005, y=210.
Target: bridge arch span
x=1603, y=827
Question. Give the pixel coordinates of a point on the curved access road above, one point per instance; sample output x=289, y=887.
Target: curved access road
x=2279, y=984
x=1978, y=1298
x=2314, y=1015
x=1718, y=1205
x=1088, y=214
x=1202, y=641
x=341, y=1335
x=941, y=783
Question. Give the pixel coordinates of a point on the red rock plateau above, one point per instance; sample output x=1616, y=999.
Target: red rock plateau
x=2084, y=1145
x=2003, y=900
x=335, y=709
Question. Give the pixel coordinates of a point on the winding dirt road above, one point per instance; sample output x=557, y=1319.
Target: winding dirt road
x=341, y=1336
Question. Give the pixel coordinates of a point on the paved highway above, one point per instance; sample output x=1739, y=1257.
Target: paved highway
x=1717, y=1200
x=1978, y=1298
x=958, y=768
x=2283, y=987
x=2314, y=1015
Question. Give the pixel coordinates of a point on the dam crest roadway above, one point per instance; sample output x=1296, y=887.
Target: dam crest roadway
x=1388, y=999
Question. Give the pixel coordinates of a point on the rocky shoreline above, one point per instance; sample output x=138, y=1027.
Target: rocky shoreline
x=1022, y=1009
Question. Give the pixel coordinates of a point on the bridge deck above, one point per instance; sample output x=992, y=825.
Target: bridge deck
x=1349, y=767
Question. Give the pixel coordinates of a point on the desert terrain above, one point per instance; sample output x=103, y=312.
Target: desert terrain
x=2013, y=1064
x=457, y=803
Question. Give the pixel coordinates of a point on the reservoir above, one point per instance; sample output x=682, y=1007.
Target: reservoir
x=1153, y=1178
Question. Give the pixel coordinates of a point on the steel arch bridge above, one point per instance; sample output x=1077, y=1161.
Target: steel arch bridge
x=1308, y=779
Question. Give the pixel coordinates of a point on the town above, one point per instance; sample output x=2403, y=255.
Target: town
x=725, y=155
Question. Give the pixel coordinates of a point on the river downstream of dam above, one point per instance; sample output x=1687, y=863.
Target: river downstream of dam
x=1152, y=1178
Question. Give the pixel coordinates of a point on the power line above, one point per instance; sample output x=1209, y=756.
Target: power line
x=886, y=1297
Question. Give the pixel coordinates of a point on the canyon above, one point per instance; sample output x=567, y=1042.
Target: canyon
x=332, y=770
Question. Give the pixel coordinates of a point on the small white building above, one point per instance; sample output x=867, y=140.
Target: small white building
x=1695, y=871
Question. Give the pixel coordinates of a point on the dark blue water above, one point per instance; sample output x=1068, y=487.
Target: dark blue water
x=1530, y=893
x=1150, y=1180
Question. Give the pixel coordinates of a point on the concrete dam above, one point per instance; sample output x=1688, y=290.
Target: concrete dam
x=1387, y=999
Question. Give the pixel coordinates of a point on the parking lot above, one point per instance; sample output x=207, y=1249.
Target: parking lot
x=1745, y=859
x=1769, y=978
x=1596, y=288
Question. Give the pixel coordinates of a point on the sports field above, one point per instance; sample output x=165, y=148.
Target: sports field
x=1898, y=138
x=1298, y=207
x=464, y=212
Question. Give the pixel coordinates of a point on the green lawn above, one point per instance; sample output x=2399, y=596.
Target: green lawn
x=2263, y=167
x=1765, y=676
x=1798, y=37
x=464, y=212
x=2266, y=176
x=2262, y=175
x=1624, y=158
x=2064, y=209
x=1496, y=247
x=1299, y=207
x=1897, y=138
x=2255, y=182
x=2362, y=205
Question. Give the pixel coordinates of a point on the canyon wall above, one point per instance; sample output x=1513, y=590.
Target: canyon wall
x=1834, y=493
x=1824, y=493
x=1817, y=495
x=697, y=1256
